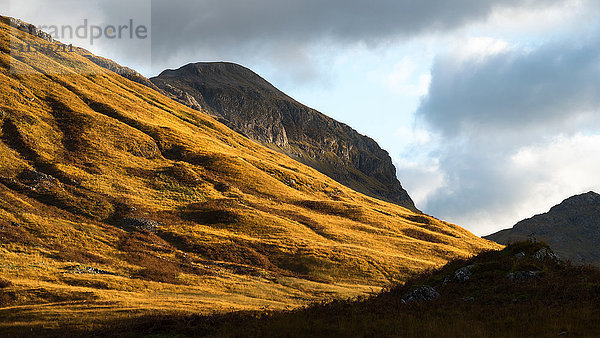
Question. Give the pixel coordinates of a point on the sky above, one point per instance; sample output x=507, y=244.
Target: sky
x=488, y=108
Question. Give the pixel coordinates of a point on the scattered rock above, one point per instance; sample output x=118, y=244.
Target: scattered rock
x=144, y=224
x=82, y=269
x=520, y=255
x=468, y=299
x=544, y=254
x=522, y=275
x=35, y=176
x=34, y=180
x=463, y=274
x=423, y=293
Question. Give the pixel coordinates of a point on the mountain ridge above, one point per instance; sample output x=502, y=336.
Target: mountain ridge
x=249, y=104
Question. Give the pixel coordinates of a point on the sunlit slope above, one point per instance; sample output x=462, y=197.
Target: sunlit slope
x=90, y=161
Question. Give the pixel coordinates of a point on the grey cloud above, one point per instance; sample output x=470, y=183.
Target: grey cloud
x=555, y=88
x=185, y=29
x=478, y=181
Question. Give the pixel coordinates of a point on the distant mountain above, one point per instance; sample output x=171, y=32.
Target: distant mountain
x=572, y=229
x=250, y=105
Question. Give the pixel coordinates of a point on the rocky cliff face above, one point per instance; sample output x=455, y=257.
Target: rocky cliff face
x=252, y=106
x=572, y=229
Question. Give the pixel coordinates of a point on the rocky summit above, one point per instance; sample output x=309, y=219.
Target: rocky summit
x=571, y=228
x=250, y=105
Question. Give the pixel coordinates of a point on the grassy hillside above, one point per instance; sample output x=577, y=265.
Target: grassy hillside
x=117, y=201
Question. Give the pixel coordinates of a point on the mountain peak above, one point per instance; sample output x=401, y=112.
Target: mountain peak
x=250, y=105
x=204, y=66
x=588, y=199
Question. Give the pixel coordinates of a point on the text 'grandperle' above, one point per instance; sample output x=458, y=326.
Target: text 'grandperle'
x=96, y=32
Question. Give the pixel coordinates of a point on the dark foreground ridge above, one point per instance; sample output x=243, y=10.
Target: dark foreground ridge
x=250, y=105
x=571, y=228
x=523, y=290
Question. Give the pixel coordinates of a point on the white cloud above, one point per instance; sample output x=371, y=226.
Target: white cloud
x=420, y=178
x=418, y=170
x=414, y=136
x=479, y=49
x=540, y=20
x=512, y=122
x=406, y=79
x=567, y=164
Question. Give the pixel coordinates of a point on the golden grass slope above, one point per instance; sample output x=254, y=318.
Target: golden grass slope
x=240, y=226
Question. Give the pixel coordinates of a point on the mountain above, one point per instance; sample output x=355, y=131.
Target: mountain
x=521, y=291
x=116, y=201
x=571, y=228
x=250, y=105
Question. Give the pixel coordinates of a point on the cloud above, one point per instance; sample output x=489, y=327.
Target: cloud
x=553, y=88
x=518, y=129
x=494, y=189
x=404, y=78
x=285, y=35
x=421, y=178
x=209, y=29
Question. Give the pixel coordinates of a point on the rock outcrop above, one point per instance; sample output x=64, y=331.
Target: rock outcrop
x=125, y=72
x=423, y=293
x=572, y=229
x=28, y=28
x=250, y=105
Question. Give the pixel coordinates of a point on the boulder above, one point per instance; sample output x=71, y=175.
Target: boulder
x=423, y=293
x=543, y=254
x=463, y=274
x=35, y=176
x=82, y=269
x=143, y=224
x=522, y=275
